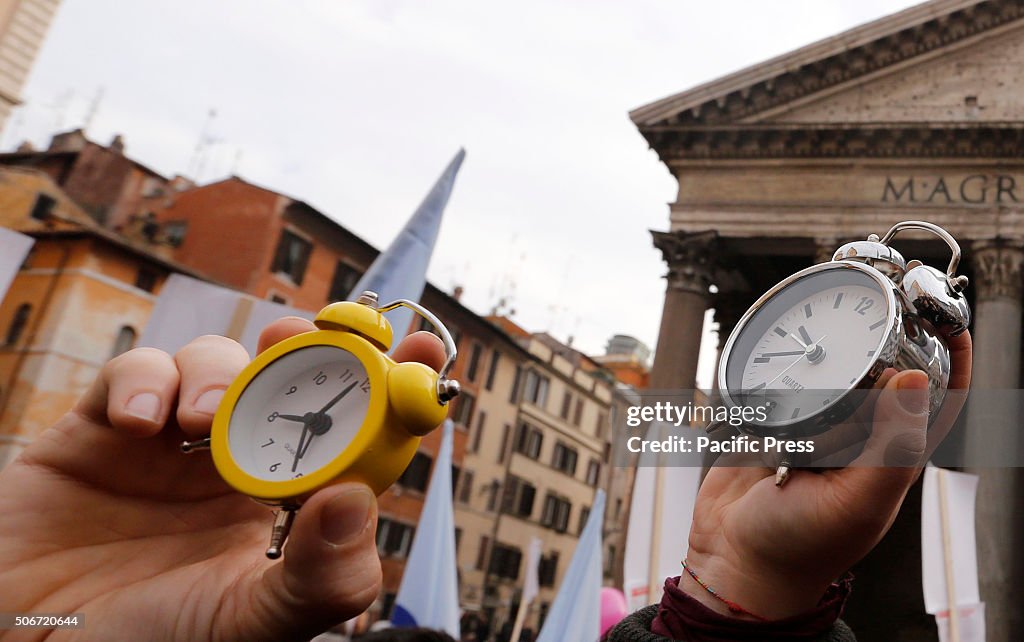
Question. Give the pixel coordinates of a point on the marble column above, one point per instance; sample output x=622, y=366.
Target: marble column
x=993, y=425
x=690, y=264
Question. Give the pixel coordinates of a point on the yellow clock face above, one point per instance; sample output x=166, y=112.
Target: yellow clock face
x=310, y=411
x=299, y=413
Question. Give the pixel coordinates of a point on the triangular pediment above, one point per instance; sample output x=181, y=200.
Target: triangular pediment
x=980, y=82
x=924, y=56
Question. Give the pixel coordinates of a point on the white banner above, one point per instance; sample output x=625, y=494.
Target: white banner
x=188, y=308
x=14, y=248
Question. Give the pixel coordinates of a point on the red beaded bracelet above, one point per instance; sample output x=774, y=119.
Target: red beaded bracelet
x=734, y=607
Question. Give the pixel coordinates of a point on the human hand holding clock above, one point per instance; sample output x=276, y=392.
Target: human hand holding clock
x=105, y=516
x=775, y=551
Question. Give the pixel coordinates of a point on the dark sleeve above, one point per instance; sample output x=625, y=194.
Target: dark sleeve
x=680, y=617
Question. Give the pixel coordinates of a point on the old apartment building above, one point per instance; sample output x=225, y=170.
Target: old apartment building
x=533, y=422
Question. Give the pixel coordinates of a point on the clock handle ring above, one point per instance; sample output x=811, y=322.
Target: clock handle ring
x=956, y=283
x=446, y=389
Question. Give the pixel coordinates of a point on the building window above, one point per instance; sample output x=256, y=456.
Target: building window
x=529, y=440
x=505, y=561
x=481, y=553
x=584, y=516
x=466, y=490
x=493, y=370
x=547, y=570
x=609, y=561
x=481, y=418
x=492, y=495
x=145, y=279
x=278, y=298
x=535, y=389
x=618, y=507
x=506, y=435
x=514, y=396
x=518, y=497
x=593, y=472
x=564, y=458
x=556, y=513
x=458, y=538
x=474, y=361
x=18, y=323
x=393, y=538
x=43, y=207
x=345, y=278
x=577, y=416
x=464, y=409
x=174, y=232
x=292, y=256
x=602, y=421
x=125, y=341
x=566, y=405
x=417, y=475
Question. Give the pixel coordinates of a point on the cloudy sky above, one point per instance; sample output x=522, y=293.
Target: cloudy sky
x=357, y=105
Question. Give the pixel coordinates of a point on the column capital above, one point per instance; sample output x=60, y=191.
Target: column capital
x=997, y=269
x=825, y=248
x=690, y=259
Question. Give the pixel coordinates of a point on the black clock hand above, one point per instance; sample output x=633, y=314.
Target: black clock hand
x=769, y=355
x=805, y=335
x=337, y=398
x=299, y=450
x=297, y=418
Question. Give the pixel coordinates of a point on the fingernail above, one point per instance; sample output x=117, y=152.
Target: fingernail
x=145, y=405
x=912, y=392
x=208, y=402
x=345, y=516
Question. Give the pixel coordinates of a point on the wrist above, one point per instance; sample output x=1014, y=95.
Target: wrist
x=760, y=594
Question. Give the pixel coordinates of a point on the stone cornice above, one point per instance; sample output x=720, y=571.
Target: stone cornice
x=838, y=60
x=896, y=140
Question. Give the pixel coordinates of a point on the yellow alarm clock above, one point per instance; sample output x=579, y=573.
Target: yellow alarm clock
x=327, y=406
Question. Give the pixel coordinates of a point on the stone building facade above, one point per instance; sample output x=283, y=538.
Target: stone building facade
x=915, y=116
x=23, y=26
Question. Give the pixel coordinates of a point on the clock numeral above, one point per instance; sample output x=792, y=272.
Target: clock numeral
x=345, y=376
x=274, y=468
x=320, y=378
x=297, y=476
x=272, y=416
x=268, y=443
x=864, y=305
x=292, y=390
x=365, y=386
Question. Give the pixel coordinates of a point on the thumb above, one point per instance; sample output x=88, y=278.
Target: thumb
x=894, y=451
x=330, y=572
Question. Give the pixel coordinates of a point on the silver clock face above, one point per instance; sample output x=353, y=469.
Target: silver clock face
x=808, y=344
x=299, y=413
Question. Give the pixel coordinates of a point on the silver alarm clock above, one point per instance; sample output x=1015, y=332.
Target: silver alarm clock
x=811, y=346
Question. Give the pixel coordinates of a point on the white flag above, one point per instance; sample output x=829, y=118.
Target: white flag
x=400, y=272
x=575, y=614
x=188, y=308
x=14, y=248
x=531, y=583
x=679, y=486
x=429, y=593
x=949, y=560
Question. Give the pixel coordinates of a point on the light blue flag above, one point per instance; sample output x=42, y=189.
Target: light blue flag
x=575, y=615
x=429, y=593
x=400, y=272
